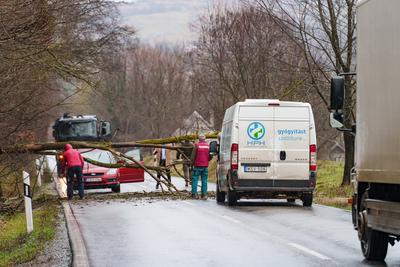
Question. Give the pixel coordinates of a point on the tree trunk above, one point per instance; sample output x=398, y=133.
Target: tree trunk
x=152, y=143
x=349, y=139
x=349, y=157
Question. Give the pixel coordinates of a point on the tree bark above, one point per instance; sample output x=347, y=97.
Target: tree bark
x=348, y=137
x=152, y=143
x=349, y=157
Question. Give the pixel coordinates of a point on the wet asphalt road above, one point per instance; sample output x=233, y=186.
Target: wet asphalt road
x=203, y=233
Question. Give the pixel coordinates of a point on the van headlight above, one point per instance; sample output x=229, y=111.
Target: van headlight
x=112, y=171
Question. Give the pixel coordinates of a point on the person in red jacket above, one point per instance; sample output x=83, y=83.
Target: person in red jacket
x=73, y=162
x=200, y=156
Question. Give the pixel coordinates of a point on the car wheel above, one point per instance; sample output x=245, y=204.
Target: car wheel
x=220, y=195
x=307, y=200
x=116, y=189
x=232, y=198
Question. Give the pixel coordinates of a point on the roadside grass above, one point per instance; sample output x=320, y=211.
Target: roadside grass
x=212, y=170
x=16, y=246
x=329, y=190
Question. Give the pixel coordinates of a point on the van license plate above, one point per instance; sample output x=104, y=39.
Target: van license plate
x=255, y=168
x=93, y=180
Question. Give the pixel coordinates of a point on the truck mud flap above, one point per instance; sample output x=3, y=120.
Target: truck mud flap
x=383, y=216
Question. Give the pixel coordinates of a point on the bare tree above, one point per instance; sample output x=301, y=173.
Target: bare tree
x=325, y=29
x=50, y=51
x=243, y=53
x=147, y=94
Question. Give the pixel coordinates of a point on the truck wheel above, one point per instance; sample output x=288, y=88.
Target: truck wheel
x=307, y=200
x=220, y=195
x=116, y=189
x=232, y=198
x=374, y=244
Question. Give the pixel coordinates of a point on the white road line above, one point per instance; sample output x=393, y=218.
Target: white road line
x=188, y=203
x=268, y=235
x=230, y=219
x=309, y=251
x=143, y=186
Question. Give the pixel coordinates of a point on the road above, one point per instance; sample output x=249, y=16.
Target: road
x=202, y=233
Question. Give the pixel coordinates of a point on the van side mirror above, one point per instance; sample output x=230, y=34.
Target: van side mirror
x=337, y=93
x=106, y=129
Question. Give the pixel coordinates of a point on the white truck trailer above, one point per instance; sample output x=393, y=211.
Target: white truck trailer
x=376, y=176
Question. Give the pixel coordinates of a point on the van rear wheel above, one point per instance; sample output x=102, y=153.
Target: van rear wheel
x=220, y=195
x=232, y=198
x=307, y=200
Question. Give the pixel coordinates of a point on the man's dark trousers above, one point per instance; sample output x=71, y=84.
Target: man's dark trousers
x=163, y=163
x=75, y=170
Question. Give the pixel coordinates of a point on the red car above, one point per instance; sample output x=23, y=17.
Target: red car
x=96, y=177
x=132, y=175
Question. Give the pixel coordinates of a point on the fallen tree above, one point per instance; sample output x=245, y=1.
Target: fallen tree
x=39, y=148
x=129, y=162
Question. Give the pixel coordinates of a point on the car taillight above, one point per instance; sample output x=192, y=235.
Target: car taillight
x=60, y=157
x=234, y=156
x=313, y=158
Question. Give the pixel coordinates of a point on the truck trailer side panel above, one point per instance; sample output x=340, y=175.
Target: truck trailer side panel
x=378, y=93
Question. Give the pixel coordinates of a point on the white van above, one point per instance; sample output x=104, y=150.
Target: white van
x=267, y=150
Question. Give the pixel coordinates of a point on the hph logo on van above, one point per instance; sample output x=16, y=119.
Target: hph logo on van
x=256, y=131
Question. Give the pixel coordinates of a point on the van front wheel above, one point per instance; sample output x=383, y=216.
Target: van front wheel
x=232, y=198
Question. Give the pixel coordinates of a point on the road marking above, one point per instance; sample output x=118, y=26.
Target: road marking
x=230, y=219
x=188, y=203
x=309, y=251
x=269, y=235
x=143, y=186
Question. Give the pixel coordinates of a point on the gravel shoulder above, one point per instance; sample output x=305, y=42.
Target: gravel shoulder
x=56, y=252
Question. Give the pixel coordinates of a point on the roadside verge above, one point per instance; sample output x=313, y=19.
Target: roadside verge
x=78, y=248
x=79, y=253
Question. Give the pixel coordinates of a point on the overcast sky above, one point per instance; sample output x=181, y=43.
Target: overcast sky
x=164, y=20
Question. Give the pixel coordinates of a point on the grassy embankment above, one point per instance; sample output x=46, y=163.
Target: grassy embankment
x=329, y=190
x=16, y=246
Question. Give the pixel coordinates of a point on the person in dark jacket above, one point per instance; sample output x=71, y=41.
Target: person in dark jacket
x=185, y=155
x=73, y=162
x=162, y=162
x=200, y=156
